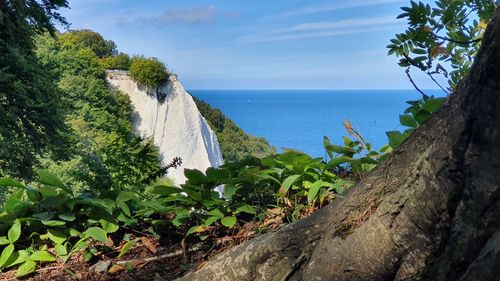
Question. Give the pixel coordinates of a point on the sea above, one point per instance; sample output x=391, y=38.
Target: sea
x=299, y=119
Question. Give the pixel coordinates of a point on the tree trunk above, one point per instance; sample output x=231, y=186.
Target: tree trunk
x=430, y=212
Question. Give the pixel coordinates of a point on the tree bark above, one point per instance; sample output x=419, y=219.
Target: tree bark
x=430, y=212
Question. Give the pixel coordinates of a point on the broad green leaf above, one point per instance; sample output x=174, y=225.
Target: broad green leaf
x=124, y=207
x=51, y=180
x=42, y=256
x=61, y=250
x=229, y=191
x=67, y=216
x=125, y=196
x=432, y=105
x=6, y=253
x=109, y=226
x=125, y=248
x=246, y=209
x=97, y=233
x=216, y=213
x=336, y=162
x=56, y=236
x=17, y=257
x=408, y=121
x=14, y=231
x=341, y=149
x=228, y=221
x=395, y=138
x=210, y=220
x=4, y=240
x=4, y=182
x=195, y=176
x=164, y=190
x=26, y=268
x=287, y=183
x=53, y=223
x=313, y=190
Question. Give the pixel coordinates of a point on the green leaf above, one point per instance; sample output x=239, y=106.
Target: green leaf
x=336, y=162
x=4, y=240
x=6, y=253
x=395, y=138
x=97, y=233
x=26, y=268
x=51, y=180
x=216, y=213
x=127, y=247
x=4, y=182
x=341, y=149
x=42, y=256
x=432, y=105
x=246, y=209
x=313, y=190
x=326, y=143
x=14, y=231
x=287, y=183
x=164, y=190
x=17, y=258
x=210, y=220
x=67, y=216
x=125, y=196
x=228, y=221
x=56, y=236
x=124, y=207
x=109, y=226
x=61, y=250
x=195, y=176
x=53, y=223
x=229, y=191
x=408, y=121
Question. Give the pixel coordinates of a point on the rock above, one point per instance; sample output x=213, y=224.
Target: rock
x=170, y=117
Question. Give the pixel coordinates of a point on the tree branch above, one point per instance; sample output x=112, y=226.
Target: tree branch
x=413, y=83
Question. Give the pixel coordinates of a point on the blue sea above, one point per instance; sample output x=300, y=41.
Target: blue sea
x=299, y=119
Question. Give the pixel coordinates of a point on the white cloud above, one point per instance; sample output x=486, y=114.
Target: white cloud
x=197, y=15
x=324, y=29
x=337, y=6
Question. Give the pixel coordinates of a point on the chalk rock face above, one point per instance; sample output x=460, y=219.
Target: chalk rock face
x=170, y=117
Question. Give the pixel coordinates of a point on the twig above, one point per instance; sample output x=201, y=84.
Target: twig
x=437, y=83
x=196, y=247
x=413, y=83
x=458, y=42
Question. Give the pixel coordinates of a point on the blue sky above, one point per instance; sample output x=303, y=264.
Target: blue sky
x=257, y=44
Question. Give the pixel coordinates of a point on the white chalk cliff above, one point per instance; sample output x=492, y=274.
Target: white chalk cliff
x=170, y=117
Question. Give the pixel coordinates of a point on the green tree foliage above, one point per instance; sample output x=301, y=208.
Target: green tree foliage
x=82, y=39
x=235, y=144
x=121, y=61
x=29, y=102
x=149, y=72
x=104, y=153
x=442, y=40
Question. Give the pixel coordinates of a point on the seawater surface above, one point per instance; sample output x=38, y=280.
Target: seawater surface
x=299, y=119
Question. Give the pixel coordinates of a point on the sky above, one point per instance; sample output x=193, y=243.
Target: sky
x=257, y=44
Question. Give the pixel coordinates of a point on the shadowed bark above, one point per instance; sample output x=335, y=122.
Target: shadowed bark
x=430, y=212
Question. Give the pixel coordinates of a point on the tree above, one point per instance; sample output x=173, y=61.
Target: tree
x=442, y=41
x=429, y=212
x=29, y=109
x=89, y=39
x=149, y=72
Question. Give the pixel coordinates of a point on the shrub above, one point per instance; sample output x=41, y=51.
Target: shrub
x=122, y=61
x=149, y=72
